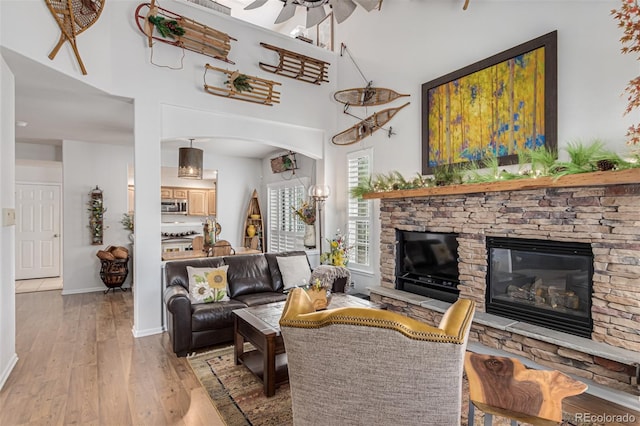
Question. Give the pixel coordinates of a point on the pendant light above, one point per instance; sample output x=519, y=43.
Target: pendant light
x=190, y=162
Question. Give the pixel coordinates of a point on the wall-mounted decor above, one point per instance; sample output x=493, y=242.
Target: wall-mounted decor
x=73, y=17
x=366, y=127
x=297, y=66
x=244, y=87
x=324, y=37
x=366, y=96
x=181, y=31
x=495, y=107
x=284, y=163
x=96, y=215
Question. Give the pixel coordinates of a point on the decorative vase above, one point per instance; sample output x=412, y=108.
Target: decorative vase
x=309, y=236
x=319, y=297
x=251, y=230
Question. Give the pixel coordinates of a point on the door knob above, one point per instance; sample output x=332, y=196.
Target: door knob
x=56, y=235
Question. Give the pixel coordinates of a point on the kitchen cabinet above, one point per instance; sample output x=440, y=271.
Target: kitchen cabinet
x=211, y=201
x=166, y=193
x=170, y=193
x=198, y=205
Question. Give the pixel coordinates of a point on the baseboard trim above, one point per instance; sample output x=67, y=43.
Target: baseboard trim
x=10, y=366
x=147, y=332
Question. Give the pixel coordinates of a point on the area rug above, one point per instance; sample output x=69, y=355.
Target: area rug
x=238, y=394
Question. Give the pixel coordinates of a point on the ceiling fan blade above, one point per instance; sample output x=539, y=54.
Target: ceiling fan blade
x=369, y=5
x=342, y=9
x=288, y=10
x=315, y=15
x=256, y=4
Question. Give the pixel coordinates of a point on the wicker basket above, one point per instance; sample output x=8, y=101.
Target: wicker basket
x=114, y=272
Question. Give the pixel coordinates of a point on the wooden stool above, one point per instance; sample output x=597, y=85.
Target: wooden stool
x=505, y=387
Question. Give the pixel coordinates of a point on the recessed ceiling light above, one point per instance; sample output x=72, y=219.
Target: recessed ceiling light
x=22, y=123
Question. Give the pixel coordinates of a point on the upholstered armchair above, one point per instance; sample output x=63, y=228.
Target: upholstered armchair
x=364, y=366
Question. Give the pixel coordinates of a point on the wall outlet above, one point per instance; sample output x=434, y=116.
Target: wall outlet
x=8, y=216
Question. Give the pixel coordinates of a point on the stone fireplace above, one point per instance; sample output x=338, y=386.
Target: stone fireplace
x=604, y=218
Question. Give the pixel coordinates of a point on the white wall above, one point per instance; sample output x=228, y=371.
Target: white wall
x=38, y=171
x=38, y=151
x=8, y=356
x=87, y=165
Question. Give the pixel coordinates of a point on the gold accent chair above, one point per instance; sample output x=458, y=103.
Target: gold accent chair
x=365, y=366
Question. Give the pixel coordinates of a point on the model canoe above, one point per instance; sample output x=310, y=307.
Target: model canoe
x=366, y=127
x=366, y=96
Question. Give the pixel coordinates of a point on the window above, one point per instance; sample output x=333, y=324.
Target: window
x=359, y=210
x=286, y=230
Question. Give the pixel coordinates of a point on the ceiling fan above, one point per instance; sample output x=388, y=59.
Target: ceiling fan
x=342, y=9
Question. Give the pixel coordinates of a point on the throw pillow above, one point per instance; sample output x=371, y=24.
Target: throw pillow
x=295, y=270
x=208, y=285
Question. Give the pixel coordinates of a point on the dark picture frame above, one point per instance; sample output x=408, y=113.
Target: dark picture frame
x=495, y=106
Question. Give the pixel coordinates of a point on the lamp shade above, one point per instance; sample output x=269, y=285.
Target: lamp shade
x=190, y=163
x=319, y=192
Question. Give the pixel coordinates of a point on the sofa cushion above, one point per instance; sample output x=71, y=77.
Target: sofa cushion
x=276, y=276
x=295, y=270
x=210, y=316
x=262, y=298
x=208, y=285
x=248, y=274
x=176, y=272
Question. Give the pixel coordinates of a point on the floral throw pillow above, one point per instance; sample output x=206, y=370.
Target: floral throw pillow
x=207, y=285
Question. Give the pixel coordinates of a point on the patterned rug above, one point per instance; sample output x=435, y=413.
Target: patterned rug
x=238, y=396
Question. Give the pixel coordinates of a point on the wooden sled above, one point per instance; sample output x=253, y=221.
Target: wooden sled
x=197, y=37
x=262, y=92
x=366, y=96
x=73, y=17
x=366, y=127
x=297, y=66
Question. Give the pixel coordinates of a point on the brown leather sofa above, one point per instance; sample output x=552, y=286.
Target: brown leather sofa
x=253, y=279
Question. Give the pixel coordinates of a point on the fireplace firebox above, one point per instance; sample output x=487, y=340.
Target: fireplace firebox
x=547, y=283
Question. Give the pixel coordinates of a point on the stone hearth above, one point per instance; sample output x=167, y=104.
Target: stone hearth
x=607, y=217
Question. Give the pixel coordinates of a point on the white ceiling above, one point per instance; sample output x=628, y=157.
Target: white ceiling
x=57, y=107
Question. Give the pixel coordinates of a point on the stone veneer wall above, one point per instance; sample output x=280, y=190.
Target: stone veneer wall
x=607, y=217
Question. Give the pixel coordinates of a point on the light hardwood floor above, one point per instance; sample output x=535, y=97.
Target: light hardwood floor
x=80, y=364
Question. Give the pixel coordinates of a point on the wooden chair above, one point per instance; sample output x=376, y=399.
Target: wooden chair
x=505, y=387
x=197, y=244
x=222, y=248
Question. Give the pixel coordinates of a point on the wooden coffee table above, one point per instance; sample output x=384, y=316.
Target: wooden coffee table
x=259, y=325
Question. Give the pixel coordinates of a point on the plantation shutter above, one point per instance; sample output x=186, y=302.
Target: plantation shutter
x=286, y=230
x=359, y=210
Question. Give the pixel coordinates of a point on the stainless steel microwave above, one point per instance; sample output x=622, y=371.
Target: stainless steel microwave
x=174, y=206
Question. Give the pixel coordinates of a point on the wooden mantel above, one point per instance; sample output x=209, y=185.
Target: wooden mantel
x=576, y=180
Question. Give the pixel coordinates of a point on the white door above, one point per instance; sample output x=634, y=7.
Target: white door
x=37, y=231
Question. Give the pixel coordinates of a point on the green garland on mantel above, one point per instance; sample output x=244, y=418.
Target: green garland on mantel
x=531, y=163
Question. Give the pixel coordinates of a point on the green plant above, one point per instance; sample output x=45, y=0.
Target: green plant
x=582, y=158
x=127, y=221
x=542, y=160
x=447, y=174
x=241, y=83
x=166, y=28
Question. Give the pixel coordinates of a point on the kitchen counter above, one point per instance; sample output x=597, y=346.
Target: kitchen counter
x=190, y=254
